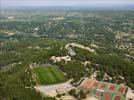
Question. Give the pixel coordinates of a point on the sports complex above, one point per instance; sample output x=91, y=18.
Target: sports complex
x=103, y=90
x=48, y=75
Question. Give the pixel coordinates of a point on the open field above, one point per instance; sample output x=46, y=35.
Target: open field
x=49, y=75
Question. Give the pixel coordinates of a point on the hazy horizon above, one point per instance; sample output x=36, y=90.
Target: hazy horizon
x=45, y=3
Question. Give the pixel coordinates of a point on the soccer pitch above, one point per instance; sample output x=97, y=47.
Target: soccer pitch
x=49, y=75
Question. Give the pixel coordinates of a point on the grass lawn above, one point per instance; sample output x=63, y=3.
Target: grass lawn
x=49, y=75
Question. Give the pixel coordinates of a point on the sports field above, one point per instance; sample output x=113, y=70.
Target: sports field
x=104, y=90
x=48, y=75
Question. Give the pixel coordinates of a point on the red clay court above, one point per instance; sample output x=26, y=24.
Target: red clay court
x=117, y=98
x=88, y=89
x=112, y=87
x=103, y=90
x=87, y=83
x=121, y=89
x=103, y=86
x=107, y=96
x=96, y=84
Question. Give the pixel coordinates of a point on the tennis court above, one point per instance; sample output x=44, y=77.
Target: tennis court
x=104, y=90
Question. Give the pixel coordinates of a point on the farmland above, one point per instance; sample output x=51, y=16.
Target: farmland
x=48, y=75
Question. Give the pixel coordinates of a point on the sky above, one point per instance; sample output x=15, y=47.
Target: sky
x=9, y=3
